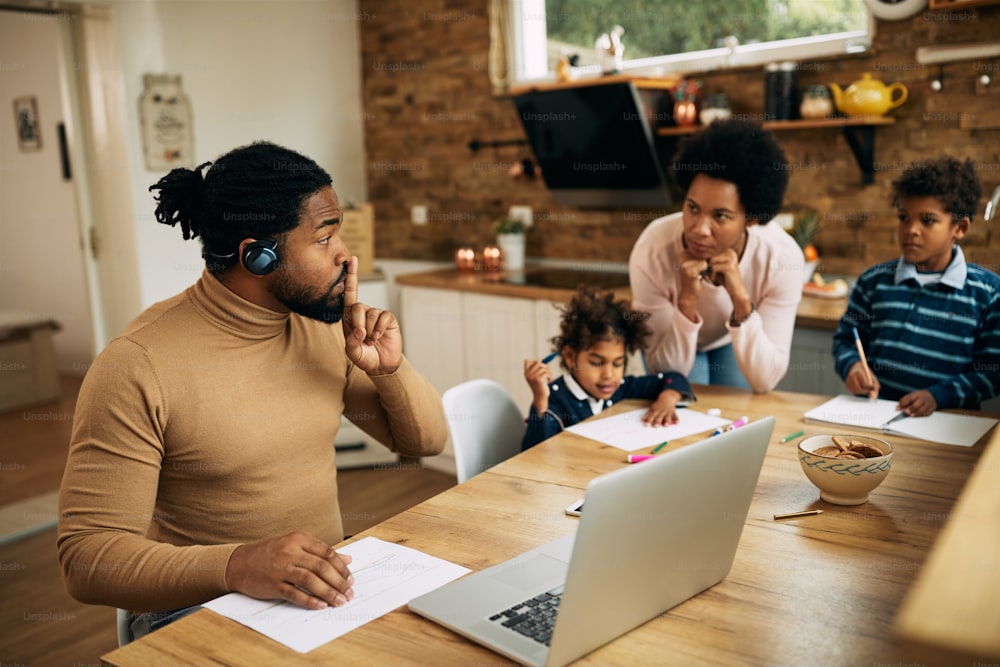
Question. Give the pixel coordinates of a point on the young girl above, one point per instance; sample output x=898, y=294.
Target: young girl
x=597, y=333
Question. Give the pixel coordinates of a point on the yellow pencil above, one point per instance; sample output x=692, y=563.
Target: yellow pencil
x=864, y=359
x=793, y=515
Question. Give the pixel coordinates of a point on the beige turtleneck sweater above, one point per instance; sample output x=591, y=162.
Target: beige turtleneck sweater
x=207, y=424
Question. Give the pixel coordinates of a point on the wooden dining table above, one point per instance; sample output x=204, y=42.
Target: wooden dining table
x=823, y=589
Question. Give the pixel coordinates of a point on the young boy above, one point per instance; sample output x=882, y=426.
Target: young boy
x=929, y=322
x=597, y=333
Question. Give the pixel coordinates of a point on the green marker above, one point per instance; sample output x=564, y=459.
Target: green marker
x=661, y=446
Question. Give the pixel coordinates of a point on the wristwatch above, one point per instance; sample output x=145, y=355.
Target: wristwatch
x=733, y=322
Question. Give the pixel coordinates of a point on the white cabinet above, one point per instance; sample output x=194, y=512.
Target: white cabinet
x=453, y=336
x=810, y=364
x=547, y=318
x=498, y=337
x=431, y=324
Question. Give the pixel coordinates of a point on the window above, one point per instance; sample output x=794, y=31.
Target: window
x=684, y=35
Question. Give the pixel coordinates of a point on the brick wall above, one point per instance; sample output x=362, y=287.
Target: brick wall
x=427, y=95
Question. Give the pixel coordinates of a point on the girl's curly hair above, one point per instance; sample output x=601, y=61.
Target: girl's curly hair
x=593, y=315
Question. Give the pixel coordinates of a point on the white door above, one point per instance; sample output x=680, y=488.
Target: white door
x=41, y=249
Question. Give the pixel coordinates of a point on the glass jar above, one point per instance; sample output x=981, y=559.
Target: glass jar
x=816, y=102
x=714, y=107
x=779, y=91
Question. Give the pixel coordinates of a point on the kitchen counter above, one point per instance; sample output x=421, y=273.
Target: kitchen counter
x=518, y=284
x=813, y=313
x=818, y=313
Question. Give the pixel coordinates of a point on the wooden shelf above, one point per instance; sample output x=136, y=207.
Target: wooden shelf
x=854, y=121
x=951, y=5
x=663, y=82
x=859, y=131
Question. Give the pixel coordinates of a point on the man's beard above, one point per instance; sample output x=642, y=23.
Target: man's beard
x=300, y=299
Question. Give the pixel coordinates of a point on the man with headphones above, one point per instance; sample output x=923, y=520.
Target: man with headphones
x=202, y=457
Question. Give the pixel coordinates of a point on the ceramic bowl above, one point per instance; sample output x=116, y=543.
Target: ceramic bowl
x=844, y=481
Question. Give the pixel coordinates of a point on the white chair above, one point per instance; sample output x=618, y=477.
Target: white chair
x=485, y=423
x=124, y=627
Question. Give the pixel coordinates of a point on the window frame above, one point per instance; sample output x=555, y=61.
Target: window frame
x=527, y=57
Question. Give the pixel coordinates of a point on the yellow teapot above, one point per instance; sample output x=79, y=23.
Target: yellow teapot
x=868, y=97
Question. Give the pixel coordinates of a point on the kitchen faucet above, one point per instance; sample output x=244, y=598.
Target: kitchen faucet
x=991, y=205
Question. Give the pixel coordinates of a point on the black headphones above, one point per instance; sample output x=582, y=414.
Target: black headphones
x=260, y=257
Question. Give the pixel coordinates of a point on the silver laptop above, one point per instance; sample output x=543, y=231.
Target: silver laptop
x=651, y=536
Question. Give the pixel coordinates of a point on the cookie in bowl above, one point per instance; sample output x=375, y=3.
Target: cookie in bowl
x=845, y=468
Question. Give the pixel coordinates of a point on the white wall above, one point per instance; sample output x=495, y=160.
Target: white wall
x=285, y=71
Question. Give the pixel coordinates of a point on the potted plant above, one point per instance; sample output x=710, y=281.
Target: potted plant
x=510, y=238
x=803, y=231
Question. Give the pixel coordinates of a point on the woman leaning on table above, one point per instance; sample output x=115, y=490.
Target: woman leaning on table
x=721, y=284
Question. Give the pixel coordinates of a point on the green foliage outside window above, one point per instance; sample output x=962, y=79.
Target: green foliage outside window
x=663, y=27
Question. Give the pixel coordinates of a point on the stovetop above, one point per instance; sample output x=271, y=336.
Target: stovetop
x=568, y=278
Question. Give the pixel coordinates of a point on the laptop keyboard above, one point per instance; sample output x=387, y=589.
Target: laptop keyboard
x=534, y=618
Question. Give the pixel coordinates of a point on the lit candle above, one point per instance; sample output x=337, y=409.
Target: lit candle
x=492, y=258
x=465, y=259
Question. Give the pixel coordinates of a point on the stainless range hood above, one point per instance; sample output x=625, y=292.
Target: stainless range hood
x=594, y=146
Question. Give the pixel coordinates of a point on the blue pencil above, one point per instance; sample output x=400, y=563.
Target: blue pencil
x=550, y=357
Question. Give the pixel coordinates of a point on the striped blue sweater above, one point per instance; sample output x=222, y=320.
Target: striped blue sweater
x=938, y=337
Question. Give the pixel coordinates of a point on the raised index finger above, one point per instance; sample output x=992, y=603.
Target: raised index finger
x=351, y=283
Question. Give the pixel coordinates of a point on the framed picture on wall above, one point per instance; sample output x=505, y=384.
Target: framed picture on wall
x=29, y=137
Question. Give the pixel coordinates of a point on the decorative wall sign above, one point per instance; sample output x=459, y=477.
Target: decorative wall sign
x=29, y=137
x=165, y=116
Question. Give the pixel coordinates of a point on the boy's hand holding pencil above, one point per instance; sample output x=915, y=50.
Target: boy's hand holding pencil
x=860, y=378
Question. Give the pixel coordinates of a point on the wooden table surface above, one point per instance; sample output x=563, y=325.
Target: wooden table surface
x=818, y=590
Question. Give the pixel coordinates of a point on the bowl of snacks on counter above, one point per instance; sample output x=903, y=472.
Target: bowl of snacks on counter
x=818, y=286
x=845, y=468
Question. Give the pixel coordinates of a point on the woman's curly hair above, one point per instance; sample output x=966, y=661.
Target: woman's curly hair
x=742, y=153
x=948, y=180
x=593, y=315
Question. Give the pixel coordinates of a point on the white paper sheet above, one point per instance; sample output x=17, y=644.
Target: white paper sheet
x=626, y=430
x=941, y=427
x=386, y=576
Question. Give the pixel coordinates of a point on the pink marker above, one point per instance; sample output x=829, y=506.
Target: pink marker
x=636, y=458
x=742, y=421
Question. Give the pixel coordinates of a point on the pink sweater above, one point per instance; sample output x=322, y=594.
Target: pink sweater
x=772, y=267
